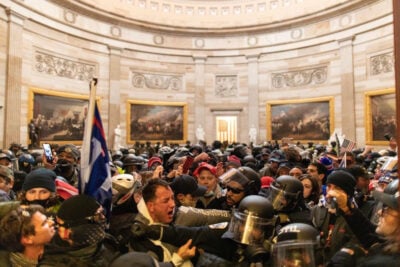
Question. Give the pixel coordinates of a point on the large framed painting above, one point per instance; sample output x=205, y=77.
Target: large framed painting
x=301, y=120
x=380, y=116
x=56, y=117
x=156, y=121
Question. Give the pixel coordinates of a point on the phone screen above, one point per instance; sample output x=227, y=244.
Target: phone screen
x=48, y=153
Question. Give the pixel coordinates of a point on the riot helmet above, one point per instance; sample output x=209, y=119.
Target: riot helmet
x=123, y=187
x=390, y=196
x=132, y=160
x=25, y=162
x=286, y=192
x=252, y=222
x=297, y=245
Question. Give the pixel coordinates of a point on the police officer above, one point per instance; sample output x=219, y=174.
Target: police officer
x=286, y=196
x=245, y=240
x=297, y=244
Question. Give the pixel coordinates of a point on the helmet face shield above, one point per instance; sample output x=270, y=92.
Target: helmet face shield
x=246, y=228
x=281, y=199
x=294, y=254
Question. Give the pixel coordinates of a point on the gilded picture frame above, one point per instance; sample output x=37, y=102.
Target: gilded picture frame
x=380, y=116
x=156, y=121
x=59, y=117
x=303, y=120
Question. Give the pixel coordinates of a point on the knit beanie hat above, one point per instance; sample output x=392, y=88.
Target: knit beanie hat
x=41, y=177
x=78, y=209
x=344, y=180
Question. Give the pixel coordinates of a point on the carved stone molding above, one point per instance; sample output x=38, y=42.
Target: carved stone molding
x=382, y=63
x=157, y=81
x=69, y=16
x=58, y=66
x=299, y=77
x=226, y=85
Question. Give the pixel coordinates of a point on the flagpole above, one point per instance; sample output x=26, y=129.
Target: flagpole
x=85, y=167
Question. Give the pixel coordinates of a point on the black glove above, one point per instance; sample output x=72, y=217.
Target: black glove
x=142, y=231
x=256, y=253
x=346, y=257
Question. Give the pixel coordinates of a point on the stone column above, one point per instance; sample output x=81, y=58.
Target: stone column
x=199, y=95
x=12, y=107
x=253, y=96
x=347, y=86
x=114, y=109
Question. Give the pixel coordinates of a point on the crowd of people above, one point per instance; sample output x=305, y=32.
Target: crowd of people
x=273, y=204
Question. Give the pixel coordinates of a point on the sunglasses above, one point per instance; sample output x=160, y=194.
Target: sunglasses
x=234, y=190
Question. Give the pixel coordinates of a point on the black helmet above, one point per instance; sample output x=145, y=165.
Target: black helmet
x=249, y=159
x=25, y=162
x=286, y=192
x=198, y=148
x=131, y=159
x=390, y=196
x=117, y=155
x=239, y=151
x=297, y=245
x=254, y=185
x=252, y=222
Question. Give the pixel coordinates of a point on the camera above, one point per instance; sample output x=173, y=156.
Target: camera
x=332, y=204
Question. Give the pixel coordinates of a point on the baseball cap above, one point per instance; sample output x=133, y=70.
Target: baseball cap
x=204, y=165
x=6, y=172
x=186, y=184
x=153, y=160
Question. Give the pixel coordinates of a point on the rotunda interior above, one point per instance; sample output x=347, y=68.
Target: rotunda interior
x=178, y=70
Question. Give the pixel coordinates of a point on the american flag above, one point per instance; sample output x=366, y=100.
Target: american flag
x=347, y=146
x=95, y=177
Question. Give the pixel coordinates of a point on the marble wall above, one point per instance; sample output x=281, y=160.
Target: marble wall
x=59, y=48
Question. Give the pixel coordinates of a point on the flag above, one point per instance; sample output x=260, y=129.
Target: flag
x=343, y=162
x=95, y=166
x=347, y=146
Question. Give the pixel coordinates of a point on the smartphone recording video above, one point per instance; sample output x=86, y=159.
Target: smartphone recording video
x=48, y=153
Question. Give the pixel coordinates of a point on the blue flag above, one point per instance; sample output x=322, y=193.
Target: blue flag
x=96, y=176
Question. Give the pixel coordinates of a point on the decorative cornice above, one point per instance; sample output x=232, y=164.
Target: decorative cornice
x=299, y=77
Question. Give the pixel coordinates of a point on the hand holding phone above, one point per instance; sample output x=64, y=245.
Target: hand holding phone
x=188, y=162
x=48, y=153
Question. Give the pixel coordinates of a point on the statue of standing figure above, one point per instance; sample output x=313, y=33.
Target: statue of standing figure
x=33, y=134
x=253, y=134
x=117, y=138
x=200, y=134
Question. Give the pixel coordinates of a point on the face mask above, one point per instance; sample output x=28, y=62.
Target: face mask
x=42, y=202
x=63, y=168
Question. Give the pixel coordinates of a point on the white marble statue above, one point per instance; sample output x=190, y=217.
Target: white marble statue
x=117, y=138
x=253, y=134
x=200, y=133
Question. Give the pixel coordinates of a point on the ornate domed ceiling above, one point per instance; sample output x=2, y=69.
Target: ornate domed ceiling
x=212, y=16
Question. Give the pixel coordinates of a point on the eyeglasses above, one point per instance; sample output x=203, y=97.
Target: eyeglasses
x=385, y=211
x=234, y=190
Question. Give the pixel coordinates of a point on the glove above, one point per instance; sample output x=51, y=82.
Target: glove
x=346, y=257
x=141, y=231
x=256, y=253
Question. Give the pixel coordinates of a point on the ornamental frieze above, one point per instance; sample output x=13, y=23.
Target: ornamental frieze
x=382, y=63
x=157, y=81
x=226, y=85
x=62, y=67
x=299, y=77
